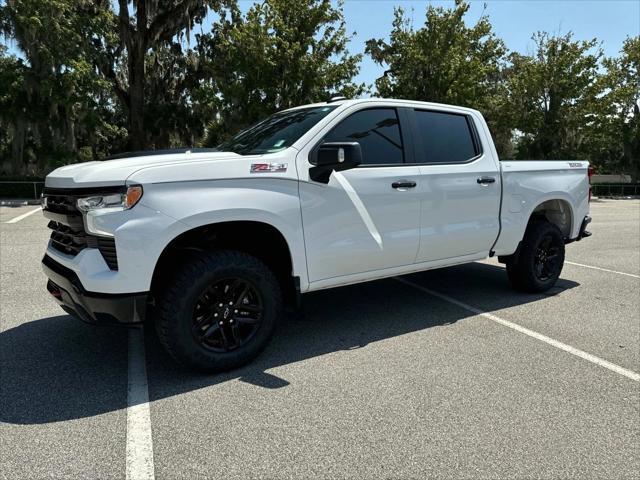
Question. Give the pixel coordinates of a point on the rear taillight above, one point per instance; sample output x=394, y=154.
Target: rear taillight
x=589, y=175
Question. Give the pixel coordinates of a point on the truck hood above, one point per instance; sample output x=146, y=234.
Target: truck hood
x=116, y=172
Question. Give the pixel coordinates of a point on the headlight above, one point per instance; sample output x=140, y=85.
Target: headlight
x=112, y=201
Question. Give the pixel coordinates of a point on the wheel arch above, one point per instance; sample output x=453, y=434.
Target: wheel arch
x=557, y=211
x=554, y=209
x=258, y=238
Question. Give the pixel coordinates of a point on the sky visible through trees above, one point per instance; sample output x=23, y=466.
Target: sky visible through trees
x=86, y=78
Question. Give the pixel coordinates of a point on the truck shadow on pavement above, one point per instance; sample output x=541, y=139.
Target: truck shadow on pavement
x=56, y=369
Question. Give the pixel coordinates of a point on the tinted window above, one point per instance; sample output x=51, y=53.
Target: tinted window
x=446, y=137
x=378, y=132
x=277, y=132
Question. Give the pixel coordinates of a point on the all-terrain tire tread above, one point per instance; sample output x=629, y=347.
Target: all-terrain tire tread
x=520, y=272
x=173, y=300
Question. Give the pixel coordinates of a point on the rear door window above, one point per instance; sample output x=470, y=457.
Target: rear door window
x=445, y=137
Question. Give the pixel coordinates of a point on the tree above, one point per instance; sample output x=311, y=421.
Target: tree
x=86, y=68
x=152, y=25
x=12, y=110
x=554, y=95
x=54, y=104
x=445, y=61
x=615, y=131
x=281, y=54
x=93, y=77
x=170, y=117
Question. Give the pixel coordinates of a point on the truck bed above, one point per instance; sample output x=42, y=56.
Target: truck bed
x=527, y=184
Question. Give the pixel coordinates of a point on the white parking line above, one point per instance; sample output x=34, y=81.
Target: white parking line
x=538, y=336
x=603, y=269
x=139, y=462
x=23, y=216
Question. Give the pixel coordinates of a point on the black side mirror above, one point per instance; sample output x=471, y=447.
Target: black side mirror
x=333, y=156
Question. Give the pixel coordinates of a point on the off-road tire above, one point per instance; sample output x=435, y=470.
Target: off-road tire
x=175, y=308
x=523, y=269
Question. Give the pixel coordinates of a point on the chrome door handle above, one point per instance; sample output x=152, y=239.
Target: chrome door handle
x=486, y=180
x=403, y=184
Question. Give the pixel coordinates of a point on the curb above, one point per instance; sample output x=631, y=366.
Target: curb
x=18, y=202
x=617, y=197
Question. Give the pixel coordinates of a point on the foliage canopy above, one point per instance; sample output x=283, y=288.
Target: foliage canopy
x=95, y=77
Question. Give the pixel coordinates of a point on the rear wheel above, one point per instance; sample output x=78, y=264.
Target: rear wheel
x=539, y=262
x=220, y=311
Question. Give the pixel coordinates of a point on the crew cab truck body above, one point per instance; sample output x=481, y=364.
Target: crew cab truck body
x=209, y=244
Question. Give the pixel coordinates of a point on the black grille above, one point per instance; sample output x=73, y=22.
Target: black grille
x=66, y=239
x=68, y=235
x=62, y=204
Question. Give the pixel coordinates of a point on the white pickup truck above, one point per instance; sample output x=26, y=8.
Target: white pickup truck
x=210, y=245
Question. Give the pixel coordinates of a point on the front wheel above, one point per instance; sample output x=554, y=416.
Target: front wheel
x=220, y=311
x=540, y=259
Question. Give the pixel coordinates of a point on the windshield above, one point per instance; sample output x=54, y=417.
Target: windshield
x=277, y=132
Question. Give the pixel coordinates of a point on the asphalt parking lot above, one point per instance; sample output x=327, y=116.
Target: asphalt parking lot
x=447, y=373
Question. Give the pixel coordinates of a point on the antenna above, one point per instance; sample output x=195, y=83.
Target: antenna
x=336, y=99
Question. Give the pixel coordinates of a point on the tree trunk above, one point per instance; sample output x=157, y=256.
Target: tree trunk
x=137, y=138
x=17, y=147
x=71, y=142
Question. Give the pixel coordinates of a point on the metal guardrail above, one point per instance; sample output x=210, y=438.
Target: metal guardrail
x=615, y=189
x=34, y=183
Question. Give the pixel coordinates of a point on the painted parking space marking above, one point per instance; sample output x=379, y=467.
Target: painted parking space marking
x=23, y=216
x=139, y=453
x=538, y=336
x=602, y=269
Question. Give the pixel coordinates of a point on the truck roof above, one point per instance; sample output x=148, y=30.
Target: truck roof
x=392, y=101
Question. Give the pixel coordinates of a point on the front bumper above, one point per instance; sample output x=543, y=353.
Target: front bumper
x=91, y=307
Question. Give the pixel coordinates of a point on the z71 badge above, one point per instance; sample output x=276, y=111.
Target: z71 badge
x=268, y=167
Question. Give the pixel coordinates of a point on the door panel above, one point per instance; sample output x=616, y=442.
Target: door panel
x=458, y=216
x=366, y=218
x=359, y=222
x=460, y=202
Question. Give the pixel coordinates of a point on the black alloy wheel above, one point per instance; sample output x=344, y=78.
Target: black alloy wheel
x=547, y=258
x=537, y=265
x=218, y=310
x=227, y=315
